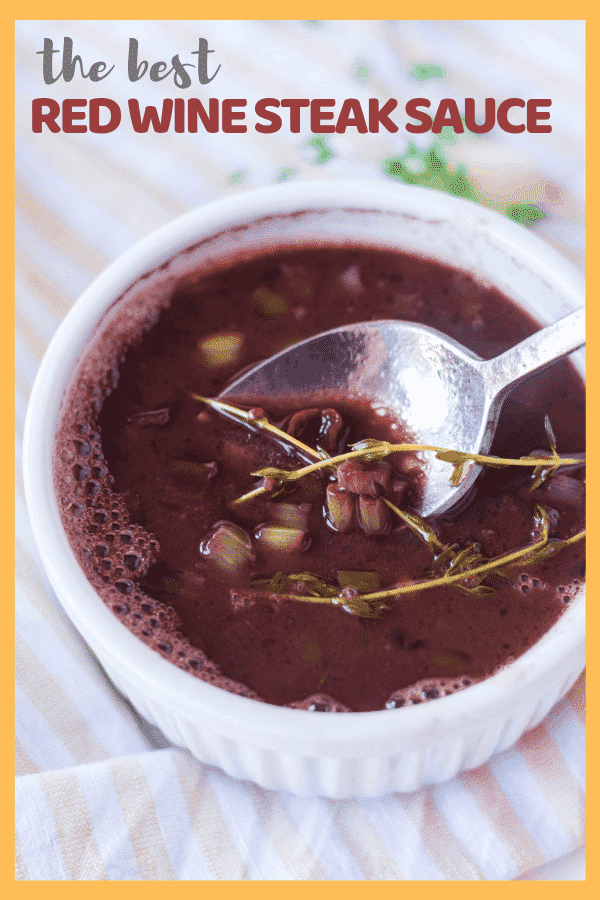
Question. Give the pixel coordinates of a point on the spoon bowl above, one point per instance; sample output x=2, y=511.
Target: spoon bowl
x=441, y=393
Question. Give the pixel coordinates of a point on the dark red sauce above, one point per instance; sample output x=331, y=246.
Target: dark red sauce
x=174, y=468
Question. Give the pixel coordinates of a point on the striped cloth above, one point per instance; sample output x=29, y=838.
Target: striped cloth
x=100, y=794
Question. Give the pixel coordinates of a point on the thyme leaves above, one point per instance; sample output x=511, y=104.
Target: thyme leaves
x=419, y=526
x=449, y=559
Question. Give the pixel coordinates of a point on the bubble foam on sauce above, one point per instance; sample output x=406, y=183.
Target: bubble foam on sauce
x=116, y=553
x=429, y=689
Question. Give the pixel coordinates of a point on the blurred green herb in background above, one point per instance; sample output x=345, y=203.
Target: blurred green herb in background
x=323, y=152
x=525, y=213
x=285, y=174
x=426, y=71
x=360, y=71
x=431, y=169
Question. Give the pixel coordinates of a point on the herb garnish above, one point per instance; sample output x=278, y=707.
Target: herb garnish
x=373, y=450
x=466, y=568
x=318, y=590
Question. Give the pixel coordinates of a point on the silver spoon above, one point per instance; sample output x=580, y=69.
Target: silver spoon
x=443, y=394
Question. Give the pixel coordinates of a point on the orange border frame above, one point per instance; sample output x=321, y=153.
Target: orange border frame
x=65, y=10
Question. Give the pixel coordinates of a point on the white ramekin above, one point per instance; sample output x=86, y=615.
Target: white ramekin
x=335, y=755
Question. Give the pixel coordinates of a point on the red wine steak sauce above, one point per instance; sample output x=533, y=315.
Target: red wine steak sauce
x=146, y=477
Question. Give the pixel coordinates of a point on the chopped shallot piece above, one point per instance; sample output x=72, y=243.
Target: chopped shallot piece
x=151, y=417
x=351, y=279
x=278, y=537
x=373, y=515
x=221, y=349
x=242, y=599
x=293, y=515
x=398, y=489
x=300, y=420
x=229, y=546
x=330, y=430
x=340, y=508
x=367, y=479
x=327, y=428
x=565, y=489
x=236, y=452
x=188, y=479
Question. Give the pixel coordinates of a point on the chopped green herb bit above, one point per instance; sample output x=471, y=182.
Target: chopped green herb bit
x=188, y=479
x=221, y=349
x=434, y=161
x=427, y=71
x=268, y=304
x=360, y=71
x=430, y=169
x=323, y=152
x=459, y=184
x=286, y=174
x=525, y=213
x=450, y=660
x=312, y=652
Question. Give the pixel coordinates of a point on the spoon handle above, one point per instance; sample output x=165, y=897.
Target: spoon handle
x=534, y=353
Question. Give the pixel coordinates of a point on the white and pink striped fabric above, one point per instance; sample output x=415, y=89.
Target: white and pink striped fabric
x=100, y=794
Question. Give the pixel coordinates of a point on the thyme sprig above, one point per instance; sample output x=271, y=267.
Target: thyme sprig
x=372, y=450
x=466, y=569
x=471, y=566
x=449, y=558
x=482, y=576
x=318, y=590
